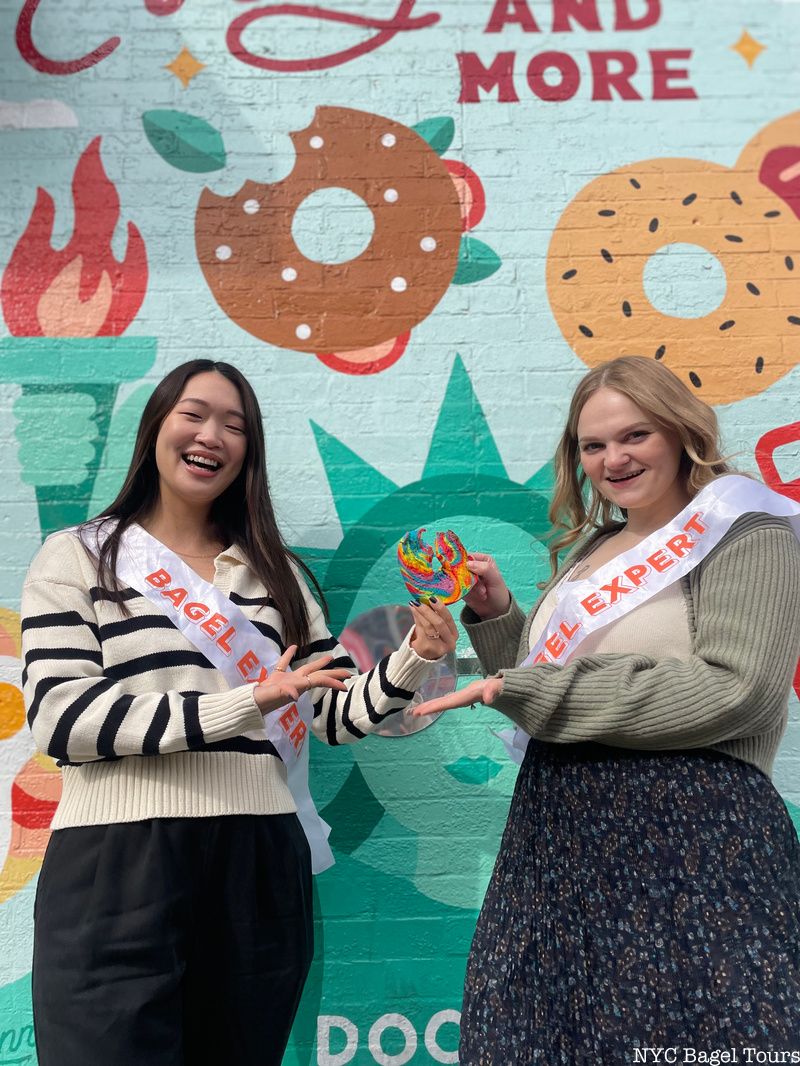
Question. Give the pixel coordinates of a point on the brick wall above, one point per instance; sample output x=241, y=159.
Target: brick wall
x=512, y=191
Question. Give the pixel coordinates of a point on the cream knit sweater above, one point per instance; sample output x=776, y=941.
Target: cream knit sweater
x=143, y=724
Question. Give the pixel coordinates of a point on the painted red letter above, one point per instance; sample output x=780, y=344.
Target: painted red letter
x=584, y=12
x=475, y=76
x=604, y=80
x=625, y=20
x=567, y=67
x=663, y=75
x=508, y=12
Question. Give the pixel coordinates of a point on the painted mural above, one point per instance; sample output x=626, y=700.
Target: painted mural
x=65, y=310
x=413, y=225
x=357, y=314
x=745, y=216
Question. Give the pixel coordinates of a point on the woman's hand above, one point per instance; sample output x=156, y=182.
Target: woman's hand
x=485, y=691
x=284, y=686
x=489, y=596
x=435, y=632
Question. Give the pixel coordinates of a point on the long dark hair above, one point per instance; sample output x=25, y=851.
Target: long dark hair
x=243, y=515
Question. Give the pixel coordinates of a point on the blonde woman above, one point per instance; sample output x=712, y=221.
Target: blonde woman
x=647, y=889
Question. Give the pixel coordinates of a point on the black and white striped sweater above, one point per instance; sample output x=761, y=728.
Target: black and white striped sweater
x=143, y=724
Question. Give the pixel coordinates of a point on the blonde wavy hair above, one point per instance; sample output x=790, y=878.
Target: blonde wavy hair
x=668, y=403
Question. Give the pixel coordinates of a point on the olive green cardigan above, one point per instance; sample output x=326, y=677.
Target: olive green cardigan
x=743, y=603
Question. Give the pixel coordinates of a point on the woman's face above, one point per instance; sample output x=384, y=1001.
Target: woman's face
x=201, y=444
x=629, y=458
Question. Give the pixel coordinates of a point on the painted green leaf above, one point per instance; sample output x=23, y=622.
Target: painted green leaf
x=438, y=132
x=185, y=141
x=476, y=261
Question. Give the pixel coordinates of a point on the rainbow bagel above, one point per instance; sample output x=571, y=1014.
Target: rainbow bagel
x=450, y=582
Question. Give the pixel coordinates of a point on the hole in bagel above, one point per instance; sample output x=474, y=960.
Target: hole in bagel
x=332, y=225
x=684, y=281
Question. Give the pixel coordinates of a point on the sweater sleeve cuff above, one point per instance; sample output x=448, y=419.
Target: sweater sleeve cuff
x=495, y=640
x=407, y=670
x=228, y=714
x=517, y=700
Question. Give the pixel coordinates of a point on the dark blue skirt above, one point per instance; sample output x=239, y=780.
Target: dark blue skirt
x=638, y=899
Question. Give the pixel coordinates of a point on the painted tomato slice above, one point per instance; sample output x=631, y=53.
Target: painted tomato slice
x=366, y=360
x=471, y=195
x=780, y=172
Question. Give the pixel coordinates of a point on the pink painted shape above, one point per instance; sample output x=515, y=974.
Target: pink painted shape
x=366, y=360
x=163, y=7
x=31, y=54
x=765, y=452
x=765, y=457
x=471, y=195
x=387, y=29
x=780, y=171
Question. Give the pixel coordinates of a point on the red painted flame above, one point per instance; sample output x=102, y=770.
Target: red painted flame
x=35, y=265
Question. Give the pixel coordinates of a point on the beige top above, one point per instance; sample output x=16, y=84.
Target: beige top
x=658, y=628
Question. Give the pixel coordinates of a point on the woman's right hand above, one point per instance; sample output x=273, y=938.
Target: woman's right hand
x=489, y=597
x=284, y=686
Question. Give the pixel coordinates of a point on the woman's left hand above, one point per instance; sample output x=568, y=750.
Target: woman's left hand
x=485, y=691
x=435, y=632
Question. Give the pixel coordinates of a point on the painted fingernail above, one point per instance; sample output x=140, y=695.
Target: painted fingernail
x=414, y=603
x=433, y=599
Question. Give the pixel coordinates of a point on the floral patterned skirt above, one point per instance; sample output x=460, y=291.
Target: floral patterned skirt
x=639, y=899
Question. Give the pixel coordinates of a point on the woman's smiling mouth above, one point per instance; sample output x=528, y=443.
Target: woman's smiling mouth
x=624, y=478
x=201, y=464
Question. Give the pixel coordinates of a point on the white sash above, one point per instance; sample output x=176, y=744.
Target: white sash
x=228, y=639
x=635, y=576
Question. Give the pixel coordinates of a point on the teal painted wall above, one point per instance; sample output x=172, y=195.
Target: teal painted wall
x=408, y=281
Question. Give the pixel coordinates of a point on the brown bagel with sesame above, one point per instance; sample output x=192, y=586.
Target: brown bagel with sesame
x=266, y=285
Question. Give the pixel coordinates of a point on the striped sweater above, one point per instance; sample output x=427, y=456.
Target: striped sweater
x=142, y=723
x=731, y=694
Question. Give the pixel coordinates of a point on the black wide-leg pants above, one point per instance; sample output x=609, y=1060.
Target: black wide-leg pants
x=172, y=942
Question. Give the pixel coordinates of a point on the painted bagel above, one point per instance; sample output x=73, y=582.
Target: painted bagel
x=744, y=215
x=261, y=280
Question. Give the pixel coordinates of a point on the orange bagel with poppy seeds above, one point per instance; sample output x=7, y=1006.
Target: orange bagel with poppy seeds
x=606, y=235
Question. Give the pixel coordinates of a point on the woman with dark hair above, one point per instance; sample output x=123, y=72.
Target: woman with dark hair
x=646, y=893
x=175, y=662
